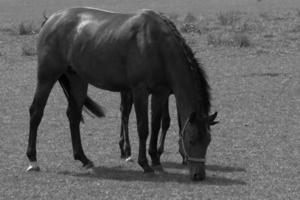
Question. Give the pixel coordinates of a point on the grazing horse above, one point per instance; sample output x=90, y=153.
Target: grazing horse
x=142, y=53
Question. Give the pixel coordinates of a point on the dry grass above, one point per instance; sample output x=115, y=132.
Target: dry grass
x=8, y=28
x=228, y=18
x=298, y=12
x=188, y=23
x=190, y=28
x=234, y=31
x=228, y=39
x=190, y=18
x=28, y=50
x=27, y=28
x=295, y=29
x=173, y=16
x=23, y=28
x=241, y=40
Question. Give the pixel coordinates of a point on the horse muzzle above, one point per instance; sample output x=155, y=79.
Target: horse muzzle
x=197, y=171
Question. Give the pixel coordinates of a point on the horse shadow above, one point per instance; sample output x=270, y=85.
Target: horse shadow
x=218, y=168
x=120, y=173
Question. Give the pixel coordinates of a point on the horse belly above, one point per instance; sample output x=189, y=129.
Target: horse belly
x=105, y=75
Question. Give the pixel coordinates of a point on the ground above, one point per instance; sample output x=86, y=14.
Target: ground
x=254, y=152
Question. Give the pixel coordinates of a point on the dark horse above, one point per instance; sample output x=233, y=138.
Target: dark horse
x=141, y=53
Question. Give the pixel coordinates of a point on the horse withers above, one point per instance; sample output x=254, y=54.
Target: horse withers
x=138, y=52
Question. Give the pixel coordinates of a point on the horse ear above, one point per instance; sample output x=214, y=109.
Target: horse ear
x=192, y=117
x=212, y=118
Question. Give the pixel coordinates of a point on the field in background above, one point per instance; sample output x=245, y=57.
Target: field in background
x=251, y=51
x=32, y=9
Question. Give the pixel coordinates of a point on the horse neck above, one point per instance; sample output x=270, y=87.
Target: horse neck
x=183, y=74
x=185, y=91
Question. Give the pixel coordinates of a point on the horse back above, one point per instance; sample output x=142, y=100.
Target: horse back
x=109, y=50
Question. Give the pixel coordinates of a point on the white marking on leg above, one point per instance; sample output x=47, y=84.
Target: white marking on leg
x=129, y=159
x=33, y=166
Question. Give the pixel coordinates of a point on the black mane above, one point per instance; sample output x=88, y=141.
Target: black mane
x=203, y=87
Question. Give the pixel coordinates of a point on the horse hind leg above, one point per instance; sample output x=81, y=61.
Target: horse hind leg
x=155, y=126
x=75, y=90
x=125, y=108
x=44, y=85
x=165, y=124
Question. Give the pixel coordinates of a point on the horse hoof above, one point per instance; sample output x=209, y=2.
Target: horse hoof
x=184, y=163
x=129, y=159
x=89, y=165
x=158, y=168
x=33, y=167
x=148, y=170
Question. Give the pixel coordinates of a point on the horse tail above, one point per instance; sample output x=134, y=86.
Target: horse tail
x=89, y=104
x=95, y=108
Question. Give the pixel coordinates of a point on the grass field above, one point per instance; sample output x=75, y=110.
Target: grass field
x=254, y=153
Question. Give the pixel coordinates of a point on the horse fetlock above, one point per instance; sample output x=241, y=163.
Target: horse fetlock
x=155, y=162
x=82, y=158
x=33, y=166
x=159, y=152
x=127, y=151
x=154, y=157
x=144, y=164
x=122, y=151
x=31, y=155
x=123, y=156
x=88, y=165
x=129, y=159
x=152, y=152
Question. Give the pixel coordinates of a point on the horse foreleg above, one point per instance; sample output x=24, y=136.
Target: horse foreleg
x=156, y=113
x=140, y=99
x=125, y=108
x=184, y=160
x=121, y=142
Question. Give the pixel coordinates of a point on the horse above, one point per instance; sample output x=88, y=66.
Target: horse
x=141, y=52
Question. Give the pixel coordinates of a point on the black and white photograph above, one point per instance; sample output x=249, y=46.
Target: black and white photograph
x=150, y=99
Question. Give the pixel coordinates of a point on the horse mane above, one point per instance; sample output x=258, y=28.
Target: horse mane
x=202, y=85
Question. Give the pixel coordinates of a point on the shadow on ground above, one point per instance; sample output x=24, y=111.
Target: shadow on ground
x=218, y=168
x=122, y=174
